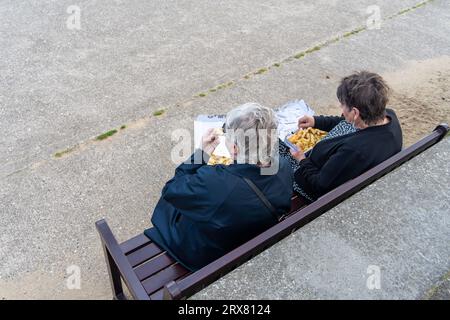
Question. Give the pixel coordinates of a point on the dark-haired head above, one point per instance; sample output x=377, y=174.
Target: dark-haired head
x=368, y=93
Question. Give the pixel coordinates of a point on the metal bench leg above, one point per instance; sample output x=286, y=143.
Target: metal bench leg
x=114, y=276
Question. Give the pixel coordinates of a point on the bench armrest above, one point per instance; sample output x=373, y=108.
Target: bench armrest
x=118, y=264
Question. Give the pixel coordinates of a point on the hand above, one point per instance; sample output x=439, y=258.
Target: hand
x=306, y=122
x=210, y=141
x=298, y=155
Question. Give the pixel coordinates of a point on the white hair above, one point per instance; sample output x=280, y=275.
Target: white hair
x=258, y=125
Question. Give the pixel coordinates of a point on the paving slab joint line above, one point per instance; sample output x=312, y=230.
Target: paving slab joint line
x=256, y=73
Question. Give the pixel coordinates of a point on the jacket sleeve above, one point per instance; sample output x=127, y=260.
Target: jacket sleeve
x=342, y=166
x=326, y=123
x=194, y=192
x=195, y=162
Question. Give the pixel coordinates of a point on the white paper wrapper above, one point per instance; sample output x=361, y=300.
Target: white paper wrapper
x=205, y=122
x=222, y=150
x=287, y=115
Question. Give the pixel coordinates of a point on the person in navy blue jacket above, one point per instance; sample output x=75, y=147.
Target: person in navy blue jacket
x=206, y=211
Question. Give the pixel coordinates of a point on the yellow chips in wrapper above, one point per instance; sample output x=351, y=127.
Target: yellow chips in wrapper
x=307, y=138
x=217, y=158
x=213, y=160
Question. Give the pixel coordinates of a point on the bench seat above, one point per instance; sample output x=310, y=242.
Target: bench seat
x=155, y=267
x=152, y=274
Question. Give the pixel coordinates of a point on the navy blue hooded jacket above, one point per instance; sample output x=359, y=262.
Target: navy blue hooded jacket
x=206, y=211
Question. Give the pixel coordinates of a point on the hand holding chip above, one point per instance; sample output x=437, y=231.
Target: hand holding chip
x=298, y=155
x=210, y=141
x=306, y=122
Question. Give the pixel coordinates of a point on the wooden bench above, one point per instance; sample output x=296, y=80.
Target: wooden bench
x=152, y=274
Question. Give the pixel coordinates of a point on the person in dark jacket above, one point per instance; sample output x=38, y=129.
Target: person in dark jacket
x=206, y=211
x=378, y=136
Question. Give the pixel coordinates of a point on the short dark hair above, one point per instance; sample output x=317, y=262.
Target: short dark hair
x=367, y=92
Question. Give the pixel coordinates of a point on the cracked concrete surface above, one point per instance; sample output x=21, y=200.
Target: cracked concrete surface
x=61, y=88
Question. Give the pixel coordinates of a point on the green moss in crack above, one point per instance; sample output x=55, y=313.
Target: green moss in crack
x=261, y=71
x=403, y=11
x=310, y=50
x=106, y=135
x=299, y=55
x=353, y=32
x=159, y=112
x=421, y=4
x=59, y=154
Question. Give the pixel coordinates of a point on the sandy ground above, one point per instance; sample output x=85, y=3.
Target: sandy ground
x=421, y=97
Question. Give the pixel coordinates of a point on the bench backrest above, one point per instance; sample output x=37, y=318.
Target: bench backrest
x=196, y=281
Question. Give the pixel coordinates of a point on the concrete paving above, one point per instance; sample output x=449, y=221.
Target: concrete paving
x=397, y=229
x=130, y=58
x=60, y=88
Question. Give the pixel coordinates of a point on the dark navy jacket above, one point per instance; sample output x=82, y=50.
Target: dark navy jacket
x=206, y=211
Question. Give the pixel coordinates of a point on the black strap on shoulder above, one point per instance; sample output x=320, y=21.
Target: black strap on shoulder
x=263, y=198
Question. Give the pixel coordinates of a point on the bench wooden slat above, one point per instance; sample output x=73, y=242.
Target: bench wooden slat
x=158, y=295
x=143, y=254
x=154, y=265
x=157, y=281
x=134, y=243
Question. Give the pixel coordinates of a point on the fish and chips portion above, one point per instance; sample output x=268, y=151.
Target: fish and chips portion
x=213, y=160
x=217, y=157
x=306, y=139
